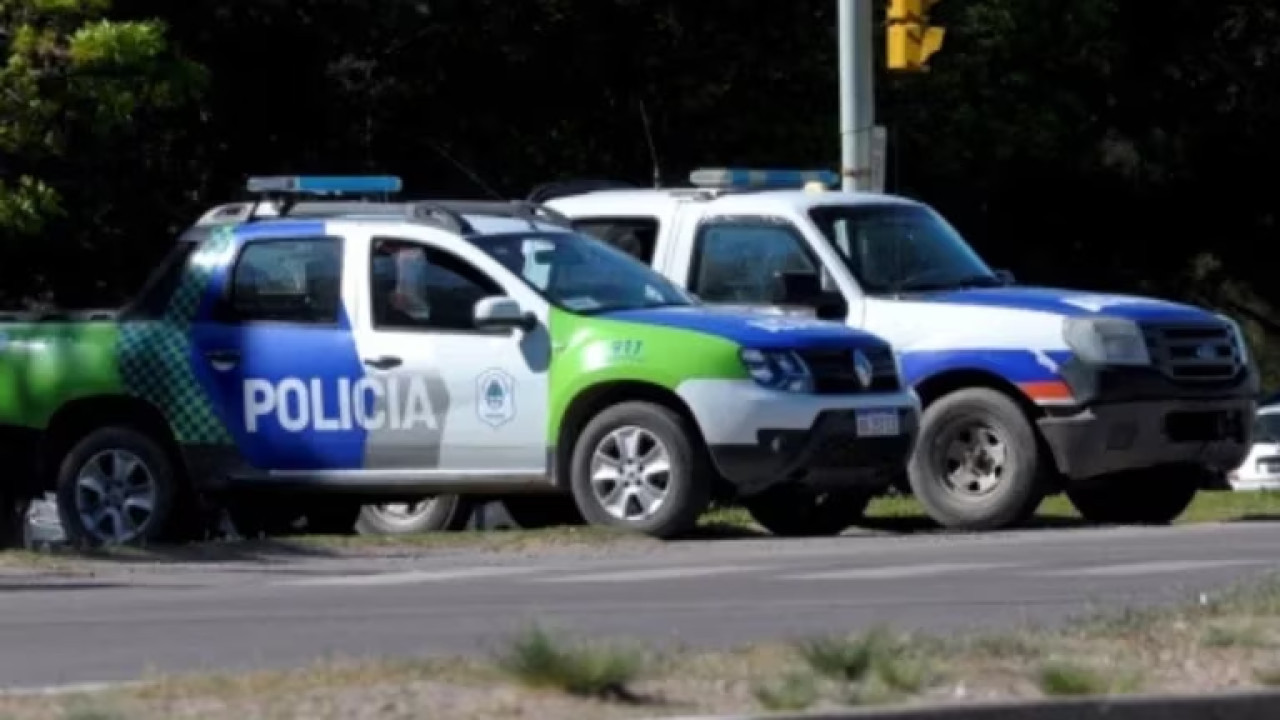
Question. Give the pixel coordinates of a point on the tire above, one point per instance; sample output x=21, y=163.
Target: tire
x=532, y=512
x=128, y=465
x=687, y=484
x=1015, y=485
x=1154, y=496
x=437, y=513
x=790, y=511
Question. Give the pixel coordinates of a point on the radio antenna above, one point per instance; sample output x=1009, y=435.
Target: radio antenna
x=653, y=150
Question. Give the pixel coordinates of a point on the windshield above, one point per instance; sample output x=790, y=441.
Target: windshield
x=581, y=274
x=893, y=249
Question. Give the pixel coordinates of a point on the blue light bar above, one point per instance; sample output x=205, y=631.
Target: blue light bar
x=325, y=184
x=747, y=178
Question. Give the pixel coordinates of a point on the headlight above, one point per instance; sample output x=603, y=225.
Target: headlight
x=1237, y=337
x=1106, y=341
x=778, y=370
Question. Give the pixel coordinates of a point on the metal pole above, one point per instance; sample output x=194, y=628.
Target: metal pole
x=857, y=95
x=864, y=102
x=848, y=117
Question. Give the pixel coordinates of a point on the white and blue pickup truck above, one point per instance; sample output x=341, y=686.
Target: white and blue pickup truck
x=1130, y=405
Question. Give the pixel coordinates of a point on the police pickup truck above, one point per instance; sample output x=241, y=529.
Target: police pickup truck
x=305, y=351
x=1129, y=404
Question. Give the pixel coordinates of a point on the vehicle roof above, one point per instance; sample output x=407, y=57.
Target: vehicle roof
x=463, y=218
x=658, y=201
x=483, y=224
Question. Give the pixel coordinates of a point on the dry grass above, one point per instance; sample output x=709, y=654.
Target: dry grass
x=1216, y=643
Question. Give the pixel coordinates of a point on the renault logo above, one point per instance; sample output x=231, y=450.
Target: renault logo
x=862, y=368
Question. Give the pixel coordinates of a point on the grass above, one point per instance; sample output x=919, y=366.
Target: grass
x=538, y=659
x=1194, y=648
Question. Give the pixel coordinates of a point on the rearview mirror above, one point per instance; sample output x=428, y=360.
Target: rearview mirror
x=500, y=313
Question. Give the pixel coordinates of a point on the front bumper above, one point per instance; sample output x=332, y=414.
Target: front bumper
x=1212, y=434
x=1133, y=418
x=760, y=438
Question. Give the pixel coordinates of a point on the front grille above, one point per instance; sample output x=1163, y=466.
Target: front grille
x=833, y=370
x=1194, y=353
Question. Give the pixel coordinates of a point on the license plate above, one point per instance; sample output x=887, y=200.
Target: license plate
x=877, y=423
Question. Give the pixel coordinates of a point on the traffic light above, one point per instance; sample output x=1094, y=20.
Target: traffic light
x=911, y=41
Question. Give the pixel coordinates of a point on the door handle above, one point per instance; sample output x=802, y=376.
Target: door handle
x=385, y=362
x=223, y=356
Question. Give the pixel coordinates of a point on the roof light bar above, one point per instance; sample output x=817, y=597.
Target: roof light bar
x=325, y=184
x=748, y=178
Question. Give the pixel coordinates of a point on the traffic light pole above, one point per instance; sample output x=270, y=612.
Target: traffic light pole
x=857, y=94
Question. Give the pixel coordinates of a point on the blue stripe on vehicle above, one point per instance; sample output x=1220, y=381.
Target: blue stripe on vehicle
x=1016, y=366
x=323, y=359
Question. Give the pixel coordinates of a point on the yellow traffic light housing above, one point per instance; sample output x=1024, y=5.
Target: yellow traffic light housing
x=910, y=40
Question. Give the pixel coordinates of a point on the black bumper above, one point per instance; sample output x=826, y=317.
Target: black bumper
x=1129, y=419
x=828, y=455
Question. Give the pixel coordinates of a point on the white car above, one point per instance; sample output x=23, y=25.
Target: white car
x=1261, y=469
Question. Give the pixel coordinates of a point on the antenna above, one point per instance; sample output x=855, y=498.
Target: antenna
x=653, y=150
x=475, y=177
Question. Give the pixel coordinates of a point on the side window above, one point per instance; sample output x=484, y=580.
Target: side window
x=740, y=262
x=288, y=280
x=414, y=287
x=635, y=236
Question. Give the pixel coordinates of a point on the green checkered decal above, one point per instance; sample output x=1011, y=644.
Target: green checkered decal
x=155, y=356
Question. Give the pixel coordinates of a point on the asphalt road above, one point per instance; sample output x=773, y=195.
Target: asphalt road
x=269, y=612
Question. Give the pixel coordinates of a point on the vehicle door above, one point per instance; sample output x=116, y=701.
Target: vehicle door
x=458, y=402
x=760, y=262
x=274, y=350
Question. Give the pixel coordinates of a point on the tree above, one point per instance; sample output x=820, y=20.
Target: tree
x=74, y=86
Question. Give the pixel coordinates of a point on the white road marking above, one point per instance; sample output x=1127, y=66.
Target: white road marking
x=901, y=571
x=68, y=689
x=405, y=578
x=1147, y=568
x=666, y=573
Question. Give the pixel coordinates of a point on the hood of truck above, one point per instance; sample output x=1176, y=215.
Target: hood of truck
x=1068, y=303
x=752, y=329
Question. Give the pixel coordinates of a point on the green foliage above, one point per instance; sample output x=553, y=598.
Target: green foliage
x=537, y=659
x=68, y=70
x=875, y=666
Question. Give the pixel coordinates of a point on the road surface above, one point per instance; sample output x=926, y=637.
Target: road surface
x=281, y=612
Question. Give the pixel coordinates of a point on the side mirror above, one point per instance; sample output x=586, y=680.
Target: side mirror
x=798, y=288
x=1005, y=276
x=808, y=290
x=501, y=313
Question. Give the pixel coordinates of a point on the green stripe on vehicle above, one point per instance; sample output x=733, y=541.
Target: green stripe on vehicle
x=45, y=365
x=589, y=351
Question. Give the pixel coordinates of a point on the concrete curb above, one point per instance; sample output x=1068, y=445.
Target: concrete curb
x=1250, y=705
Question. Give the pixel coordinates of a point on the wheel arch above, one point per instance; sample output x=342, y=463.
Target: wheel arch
x=76, y=419
x=946, y=382
x=591, y=401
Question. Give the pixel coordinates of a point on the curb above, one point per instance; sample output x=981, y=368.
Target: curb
x=1248, y=705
